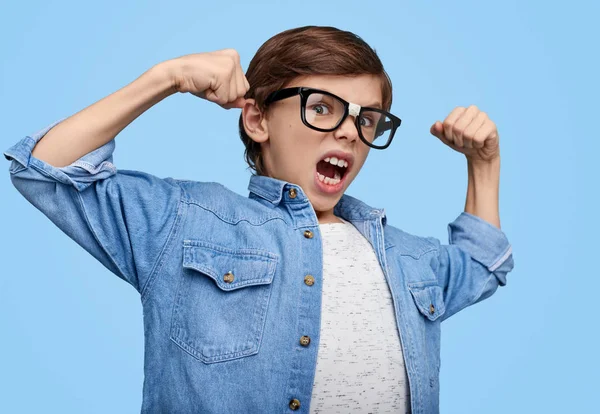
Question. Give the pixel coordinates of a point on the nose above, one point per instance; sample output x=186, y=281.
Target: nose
x=347, y=130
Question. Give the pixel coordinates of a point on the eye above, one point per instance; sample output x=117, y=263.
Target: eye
x=320, y=109
x=366, y=121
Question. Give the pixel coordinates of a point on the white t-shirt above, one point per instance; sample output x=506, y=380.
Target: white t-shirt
x=360, y=366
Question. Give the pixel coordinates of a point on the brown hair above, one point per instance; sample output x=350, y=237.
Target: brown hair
x=309, y=50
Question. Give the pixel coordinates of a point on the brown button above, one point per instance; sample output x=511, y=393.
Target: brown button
x=431, y=309
x=293, y=193
x=294, y=404
x=308, y=234
x=228, y=277
x=304, y=340
x=309, y=280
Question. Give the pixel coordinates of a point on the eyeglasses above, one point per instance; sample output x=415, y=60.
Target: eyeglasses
x=325, y=112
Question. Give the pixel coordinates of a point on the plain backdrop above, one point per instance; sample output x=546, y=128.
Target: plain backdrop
x=71, y=338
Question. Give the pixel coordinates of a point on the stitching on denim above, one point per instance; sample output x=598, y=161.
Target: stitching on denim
x=55, y=178
x=209, y=360
x=476, y=298
x=85, y=214
x=418, y=256
x=501, y=260
x=93, y=169
x=258, y=253
x=433, y=289
x=413, y=368
x=259, y=191
x=213, y=274
x=18, y=169
x=144, y=292
x=230, y=220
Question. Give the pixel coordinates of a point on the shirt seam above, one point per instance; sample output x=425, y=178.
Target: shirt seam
x=232, y=220
x=146, y=289
x=93, y=230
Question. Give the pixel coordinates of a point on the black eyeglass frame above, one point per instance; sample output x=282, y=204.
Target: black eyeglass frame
x=305, y=92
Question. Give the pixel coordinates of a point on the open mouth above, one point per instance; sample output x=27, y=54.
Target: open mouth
x=331, y=170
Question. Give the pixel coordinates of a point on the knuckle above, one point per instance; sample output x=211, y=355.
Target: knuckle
x=221, y=100
x=231, y=62
x=233, y=54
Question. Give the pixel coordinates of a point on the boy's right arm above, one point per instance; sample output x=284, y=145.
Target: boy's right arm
x=100, y=122
x=123, y=218
x=215, y=76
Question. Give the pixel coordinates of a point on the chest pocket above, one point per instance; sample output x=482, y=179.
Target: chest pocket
x=221, y=304
x=429, y=299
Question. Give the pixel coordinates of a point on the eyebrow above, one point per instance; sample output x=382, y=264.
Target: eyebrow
x=376, y=105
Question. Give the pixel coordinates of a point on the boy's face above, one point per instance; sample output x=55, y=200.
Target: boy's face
x=295, y=153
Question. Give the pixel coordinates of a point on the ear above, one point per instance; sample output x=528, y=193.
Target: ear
x=255, y=123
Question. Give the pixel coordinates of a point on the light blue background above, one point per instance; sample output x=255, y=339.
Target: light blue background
x=71, y=338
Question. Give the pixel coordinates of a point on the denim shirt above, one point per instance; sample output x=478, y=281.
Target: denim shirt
x=222, y=278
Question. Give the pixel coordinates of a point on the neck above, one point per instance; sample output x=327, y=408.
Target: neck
x=327, y=217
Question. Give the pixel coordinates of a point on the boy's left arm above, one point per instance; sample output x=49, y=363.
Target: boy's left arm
x=479, y=255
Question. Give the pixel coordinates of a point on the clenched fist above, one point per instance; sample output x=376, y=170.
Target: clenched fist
x=215, y=76
x=471, y=132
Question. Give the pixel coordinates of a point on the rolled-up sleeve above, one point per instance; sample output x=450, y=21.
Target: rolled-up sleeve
x=123, y=218
x=93, y=166
x=474, y=263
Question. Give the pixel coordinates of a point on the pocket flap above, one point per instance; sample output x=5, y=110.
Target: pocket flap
x=429, y=300
x=230, y=268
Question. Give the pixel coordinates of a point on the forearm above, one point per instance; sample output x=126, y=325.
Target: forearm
x=102, y=121
x=483, y=190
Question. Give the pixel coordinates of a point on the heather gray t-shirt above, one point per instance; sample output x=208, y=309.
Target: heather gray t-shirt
x=360, y=366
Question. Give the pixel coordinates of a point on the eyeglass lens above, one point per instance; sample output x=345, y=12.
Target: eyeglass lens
x=325, y=112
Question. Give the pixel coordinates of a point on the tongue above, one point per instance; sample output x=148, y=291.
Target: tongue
x=327, y=169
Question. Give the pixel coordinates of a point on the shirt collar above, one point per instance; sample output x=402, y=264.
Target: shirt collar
x=349, y=208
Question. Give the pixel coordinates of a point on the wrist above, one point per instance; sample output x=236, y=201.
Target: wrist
x=487, y=168
x=167, y=73
x=483, y=190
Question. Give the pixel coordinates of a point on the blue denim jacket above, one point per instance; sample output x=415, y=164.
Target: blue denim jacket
x=222, y=278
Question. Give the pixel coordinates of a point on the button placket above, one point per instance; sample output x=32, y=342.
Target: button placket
x=298, y=382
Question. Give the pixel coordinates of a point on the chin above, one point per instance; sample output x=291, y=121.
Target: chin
x=321, y=203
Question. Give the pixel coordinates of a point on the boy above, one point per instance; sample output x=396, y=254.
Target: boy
x=298, y=297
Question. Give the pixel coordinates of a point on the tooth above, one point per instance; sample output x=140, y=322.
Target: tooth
x=326, y=159
x=321, y=176
x=335, y=181
x=346, y=164
x=333, y=160
x=337, y=176
x=327, y=180
x=341, y=163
